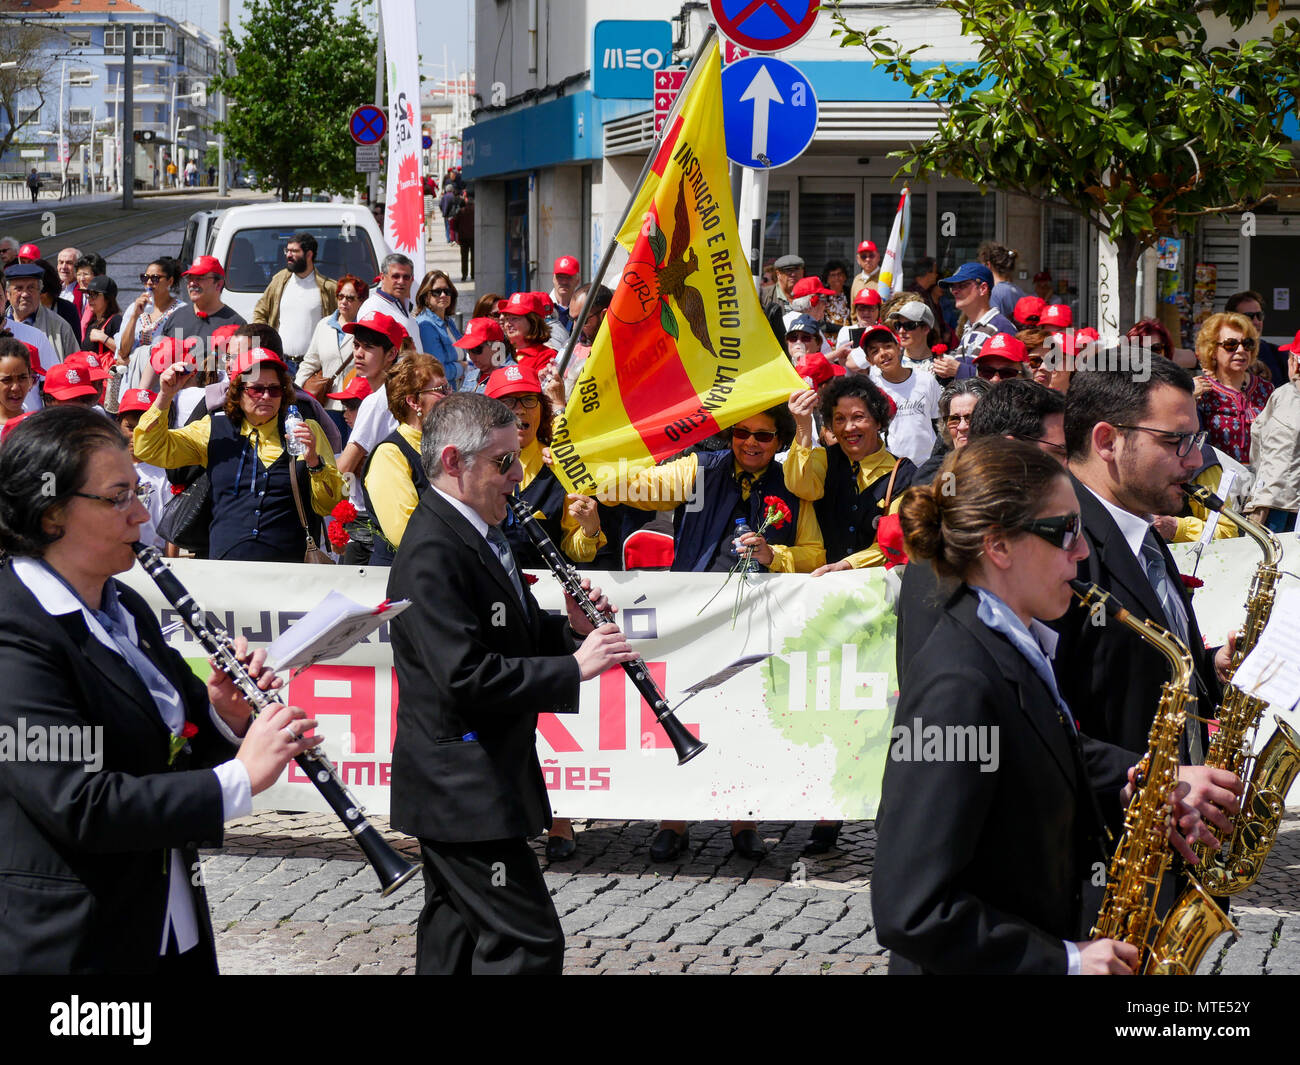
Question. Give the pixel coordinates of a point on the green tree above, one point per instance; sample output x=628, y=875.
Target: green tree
x=300, y=70
x=1121, y=112
x=28, y=73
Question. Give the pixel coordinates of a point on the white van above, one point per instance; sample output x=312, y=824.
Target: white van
x=249, y=242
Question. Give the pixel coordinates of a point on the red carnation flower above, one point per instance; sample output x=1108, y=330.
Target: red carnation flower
x=889, y=537
x=1191, y=583
x=338, y=536
x=939, y=349
x=189, y=730
x=530, y=578
x=778, y=514
x=344, y=512
x=177, y=489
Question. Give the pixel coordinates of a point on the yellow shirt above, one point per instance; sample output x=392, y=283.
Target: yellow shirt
x=805, y=476
x=1191, y=528
x=668, y=486
x=188, y=446
x=576, y=544
x=389, y=485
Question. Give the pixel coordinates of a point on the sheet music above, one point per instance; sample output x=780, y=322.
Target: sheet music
x=326, y=631
x=1272, y=670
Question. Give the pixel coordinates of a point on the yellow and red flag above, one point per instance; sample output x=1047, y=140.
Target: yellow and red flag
x=685, y=349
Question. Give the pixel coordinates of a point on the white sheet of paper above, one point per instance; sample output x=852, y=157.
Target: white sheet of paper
x=1281, y=299
x=331, y=627
x=1272, y=671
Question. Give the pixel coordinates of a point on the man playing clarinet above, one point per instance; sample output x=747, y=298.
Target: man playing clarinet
x=477, y=660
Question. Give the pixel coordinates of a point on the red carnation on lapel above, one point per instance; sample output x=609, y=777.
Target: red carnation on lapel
x=530, y=578
x=1191, y=583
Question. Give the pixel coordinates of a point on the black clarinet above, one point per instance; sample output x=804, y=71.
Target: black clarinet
x=393, y=870
x=686, y=745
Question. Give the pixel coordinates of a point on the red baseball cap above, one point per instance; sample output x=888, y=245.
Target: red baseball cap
x=1072, y=341
x=567, y=264
x=255, y=357
x=512, y=380
x=1293, y=346
x=28, y=253
x=168, y=351
x=1088, y=333
x=867, y=297
x=69, y=382
x=378, y=322
x=1004, y=346
x=205, y=264
x=1029, y=310
x=873, y=331
x=810, y=286
x=818, y=369
x=357, y=388
x=94, y=364
x=480, y=331
x=35, y=353
x=1057, y=316
x=866, y=245
x=136, y=399
x=12, y=424
x=524, y=303
x=221, y=337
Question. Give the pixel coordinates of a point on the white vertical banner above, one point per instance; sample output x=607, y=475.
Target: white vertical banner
x=891, y=265
x=404, y=210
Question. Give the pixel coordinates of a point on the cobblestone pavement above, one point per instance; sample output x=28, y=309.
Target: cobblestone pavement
x=289, y=895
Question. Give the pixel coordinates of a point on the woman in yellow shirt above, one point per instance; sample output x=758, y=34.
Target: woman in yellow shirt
x=394, y=476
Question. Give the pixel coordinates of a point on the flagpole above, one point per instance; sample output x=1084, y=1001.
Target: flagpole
x=599, y=276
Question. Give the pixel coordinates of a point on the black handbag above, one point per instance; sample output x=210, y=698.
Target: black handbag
x=186, y=517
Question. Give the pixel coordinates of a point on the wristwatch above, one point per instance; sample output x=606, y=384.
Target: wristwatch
x=320, y=465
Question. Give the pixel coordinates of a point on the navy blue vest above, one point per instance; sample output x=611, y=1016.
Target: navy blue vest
x=698, y=535
x=253, y=516
x=544, y=495
x=381, y=554
x=847, y=516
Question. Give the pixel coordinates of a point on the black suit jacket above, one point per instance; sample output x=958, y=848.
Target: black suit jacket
x=980, y=872
x=470, y=658
x=82, y=855
x=1107, y=674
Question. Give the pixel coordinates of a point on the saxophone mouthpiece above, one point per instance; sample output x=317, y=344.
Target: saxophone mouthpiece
x=1090, y=595
x=1202, y=495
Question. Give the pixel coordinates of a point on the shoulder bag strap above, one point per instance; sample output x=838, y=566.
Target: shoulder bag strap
x=297, y=501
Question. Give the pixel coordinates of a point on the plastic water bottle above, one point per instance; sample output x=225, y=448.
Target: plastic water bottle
x=292, y=420
x=737, y=549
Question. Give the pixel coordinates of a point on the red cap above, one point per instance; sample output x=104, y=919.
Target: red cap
x=168, y=351
x=1057, y=316
x=12, y=424
x=1293, y=346
x=35, y=353
x=68, y=382
x=95, y=365
x=205, y=264
x=135, y=399
x=818, y=369
x=524, y=303
x=866, y=245
x=567, y=264
x=874, y=331
x=378, y=322
x=511, y=381
x=480, y=331
x=1072, y=342
x=810, y=286
x=1042, y=275
x=647, y=549
x=1004, y=346
x=255, y=357
x=221, y=337
x=867, y=297
x=357, y=388
x=29, y=253
x=1029, y=310
x=1088, y=333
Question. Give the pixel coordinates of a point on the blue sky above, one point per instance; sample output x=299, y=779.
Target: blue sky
x=441, y=22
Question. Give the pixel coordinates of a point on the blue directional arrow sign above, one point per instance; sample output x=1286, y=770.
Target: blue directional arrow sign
x=769, y=111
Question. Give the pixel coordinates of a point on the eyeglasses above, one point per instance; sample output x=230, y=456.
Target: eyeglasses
x=1184, y=443
x=997, y=373
x=504, y=462
x=1034, y=362
x=1040, y=442
x=123, y=500
x=152, y=279
x=763, y=436
x=1062, y=532
x=899, y=325
x=525, y=402
x=954, y=420
x=1233, y=343
x=437, y=390
x=351, y=299
x=16, y=379
x=264, y=391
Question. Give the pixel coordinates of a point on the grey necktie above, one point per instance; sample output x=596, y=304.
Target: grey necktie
x=501, y=546
x=1153, y=561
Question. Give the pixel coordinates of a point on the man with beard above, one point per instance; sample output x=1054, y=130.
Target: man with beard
x=1130, y=444
x=298, y=297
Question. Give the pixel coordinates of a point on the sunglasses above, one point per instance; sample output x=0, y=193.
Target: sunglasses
x=998, y=373
x=264, y=391
x=437, y=390
x=899, y=325
x=504, y=462
x=1183, y=442
x=123, y=500
x=1062, y=532
x=763, y=436
x=1233, y=343
x=954, y=420
x=152, y=279
x=1257, y=315
x=440, y=292
x=1034, y=362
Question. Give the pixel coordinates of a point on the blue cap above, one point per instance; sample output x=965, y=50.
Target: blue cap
x=970, y=272
x=802, y=323
x=24, y=270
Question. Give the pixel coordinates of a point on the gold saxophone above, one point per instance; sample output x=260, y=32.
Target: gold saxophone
x=1237, y=865
x=1128, y=910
